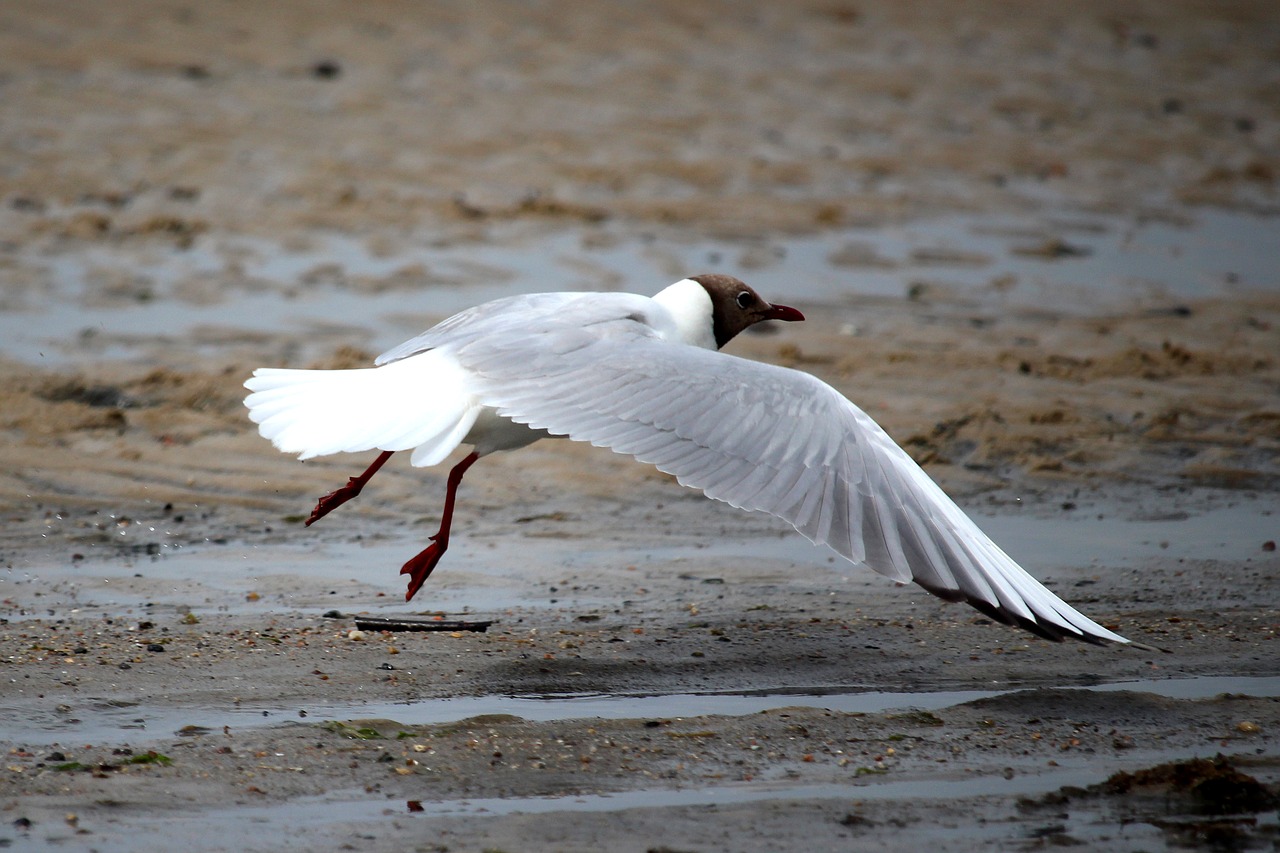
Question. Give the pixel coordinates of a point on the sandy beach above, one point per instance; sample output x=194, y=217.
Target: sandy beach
x=1036, y=243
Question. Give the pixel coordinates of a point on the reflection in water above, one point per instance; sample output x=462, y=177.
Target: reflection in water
x=104, y=721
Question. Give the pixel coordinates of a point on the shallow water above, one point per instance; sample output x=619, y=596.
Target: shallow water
x=112, y=300
x=496, y=575
x=96, y=721
x=262, y=827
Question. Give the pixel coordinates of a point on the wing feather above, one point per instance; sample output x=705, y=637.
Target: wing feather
x=765, y=438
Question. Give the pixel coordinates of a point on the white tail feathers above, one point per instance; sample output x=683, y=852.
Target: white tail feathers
x=419, y=402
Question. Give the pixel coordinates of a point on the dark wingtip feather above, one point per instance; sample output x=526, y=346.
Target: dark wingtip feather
x=1041, y=629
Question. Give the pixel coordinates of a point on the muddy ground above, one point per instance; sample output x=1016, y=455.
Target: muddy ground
x=176, y=649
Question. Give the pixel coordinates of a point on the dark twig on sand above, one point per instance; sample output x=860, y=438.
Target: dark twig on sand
x=377, y=623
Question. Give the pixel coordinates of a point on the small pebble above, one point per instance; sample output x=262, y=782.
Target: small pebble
x=355, y=634
x=1245, y=727
x=327, y=70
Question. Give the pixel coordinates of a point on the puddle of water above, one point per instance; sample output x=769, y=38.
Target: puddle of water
x=1079, y=773
x=513, y=572
x=1105, y=262
x=1230, y=533
x=99, y=722
x=293, y=823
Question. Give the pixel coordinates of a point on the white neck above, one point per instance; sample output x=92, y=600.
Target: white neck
x=689, y=305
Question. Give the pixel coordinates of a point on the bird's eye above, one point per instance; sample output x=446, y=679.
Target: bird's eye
x=745, y=299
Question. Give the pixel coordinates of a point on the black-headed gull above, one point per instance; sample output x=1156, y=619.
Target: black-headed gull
x=643, y=377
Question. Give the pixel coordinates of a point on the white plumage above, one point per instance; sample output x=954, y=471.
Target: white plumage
x=420, y=403
x=642, y=377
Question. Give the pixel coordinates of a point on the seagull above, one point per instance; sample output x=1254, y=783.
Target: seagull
x=644, y=377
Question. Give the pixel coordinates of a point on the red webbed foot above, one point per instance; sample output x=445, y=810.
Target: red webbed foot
x=338, y=497
x=419, y=568
x=328, y=503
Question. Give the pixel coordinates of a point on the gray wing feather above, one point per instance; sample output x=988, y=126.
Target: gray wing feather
x=568, y=318
x=763, y=438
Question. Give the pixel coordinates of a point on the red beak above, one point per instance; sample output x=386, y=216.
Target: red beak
x=783, y=312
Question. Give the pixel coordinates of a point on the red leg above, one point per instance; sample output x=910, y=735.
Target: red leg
x=419, y=568
x=338, y=497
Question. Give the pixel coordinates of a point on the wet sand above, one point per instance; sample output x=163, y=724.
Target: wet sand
x=1033, y=244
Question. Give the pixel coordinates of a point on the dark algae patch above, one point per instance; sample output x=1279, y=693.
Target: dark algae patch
x=1206, y=786
x=1200, y=803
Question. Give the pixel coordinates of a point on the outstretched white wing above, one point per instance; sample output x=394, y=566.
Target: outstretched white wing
x=763, y=438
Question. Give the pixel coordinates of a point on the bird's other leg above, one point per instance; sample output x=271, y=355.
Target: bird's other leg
x=338, y=497
x=419, y=568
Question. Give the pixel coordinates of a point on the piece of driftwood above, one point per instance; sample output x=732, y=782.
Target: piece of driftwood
x=378, y=623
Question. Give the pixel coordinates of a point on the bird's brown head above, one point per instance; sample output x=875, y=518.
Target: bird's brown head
x=735, y=306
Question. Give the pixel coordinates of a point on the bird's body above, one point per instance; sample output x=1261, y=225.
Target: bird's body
x=643, y=377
